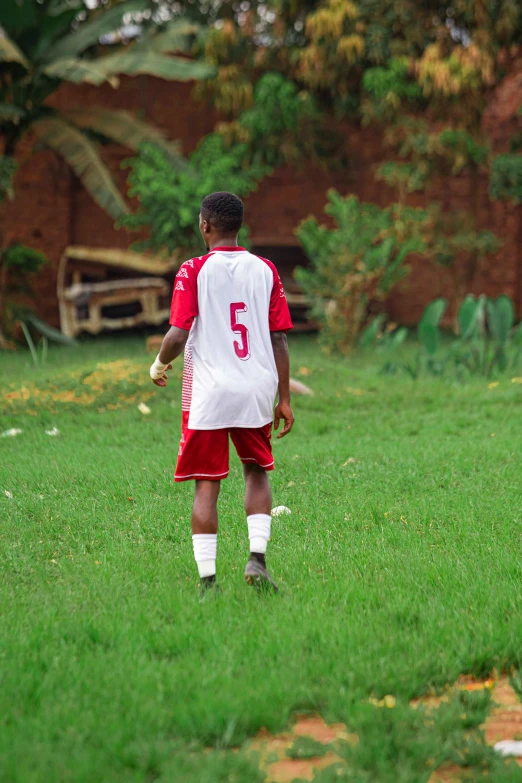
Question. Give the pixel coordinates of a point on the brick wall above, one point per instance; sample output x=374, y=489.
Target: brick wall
x=52, y=210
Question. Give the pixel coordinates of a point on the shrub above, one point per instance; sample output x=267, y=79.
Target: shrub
x=355, y=264
x=505, y=181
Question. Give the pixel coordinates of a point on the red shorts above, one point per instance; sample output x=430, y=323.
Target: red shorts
x=203, y=454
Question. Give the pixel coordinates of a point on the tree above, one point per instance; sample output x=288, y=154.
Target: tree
x=281, y=126
x=354, y=265
x=43, y=44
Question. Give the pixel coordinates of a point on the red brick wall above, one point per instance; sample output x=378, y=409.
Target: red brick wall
x=52, y=210
x=40, y=216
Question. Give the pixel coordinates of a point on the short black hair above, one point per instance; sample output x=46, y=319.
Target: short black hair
x=224, y=211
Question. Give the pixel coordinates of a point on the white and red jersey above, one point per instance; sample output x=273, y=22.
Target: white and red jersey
x=230, y=300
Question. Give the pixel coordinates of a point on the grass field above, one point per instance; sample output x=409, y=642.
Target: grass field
x=400, y=568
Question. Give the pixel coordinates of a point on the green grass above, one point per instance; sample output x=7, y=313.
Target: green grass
x=399, y=566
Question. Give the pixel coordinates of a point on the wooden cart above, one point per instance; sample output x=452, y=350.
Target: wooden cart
x=104, y=288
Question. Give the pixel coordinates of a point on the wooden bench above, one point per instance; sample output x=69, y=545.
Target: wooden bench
x=104, y=288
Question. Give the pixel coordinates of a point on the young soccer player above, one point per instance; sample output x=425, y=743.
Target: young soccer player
x=230, y=315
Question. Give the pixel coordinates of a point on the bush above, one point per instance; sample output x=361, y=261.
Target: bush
x=487, y=341
x=355, y=264
x=505, y=180
x=234, y=158
x=170, y=198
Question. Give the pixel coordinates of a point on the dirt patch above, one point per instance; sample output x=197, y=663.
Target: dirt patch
x=287, y=770
x=504, y=722
x=449, y=773
x=110, y=386
x=275, y=750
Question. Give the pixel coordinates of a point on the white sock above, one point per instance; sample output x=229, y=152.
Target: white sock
x=259, y=532
x=205, y=549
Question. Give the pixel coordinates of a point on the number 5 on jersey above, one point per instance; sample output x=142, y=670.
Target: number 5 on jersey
x=242, y=348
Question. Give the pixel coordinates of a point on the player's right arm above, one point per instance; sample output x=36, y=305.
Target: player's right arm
x=173, y=344
x=283, y=408
x=184, y=309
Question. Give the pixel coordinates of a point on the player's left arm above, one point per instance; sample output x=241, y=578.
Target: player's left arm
x=280, y=323
x=173, y=344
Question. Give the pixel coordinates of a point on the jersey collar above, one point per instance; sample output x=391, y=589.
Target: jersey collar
x=226, y=249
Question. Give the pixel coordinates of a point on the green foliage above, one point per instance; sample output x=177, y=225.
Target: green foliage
x=387, y=88
x=428, y=328
x=22, y=260
x=170, y=198
x=355, y=264
x=404, y=177
x=8, y=167
x=48, y=333
x=460, y=149
x=505, y=180
x=447, y=152
x=234, y=158
x=44, y=43
x=282, y=124
x=449, y=235
x=17, y=263
x=453, y=242
x=487, y=341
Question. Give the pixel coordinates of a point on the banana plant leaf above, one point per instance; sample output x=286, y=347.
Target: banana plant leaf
x=132, y=62
x=72, y=69
x=9, y=51
x=48, y=331
x=124, y=128
x=82, y=156
x=89, y=33
x=11, y=113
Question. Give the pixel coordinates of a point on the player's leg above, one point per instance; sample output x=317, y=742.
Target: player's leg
x=258, y=495
x=254, y=449
x=205, y=528
x=203, y=458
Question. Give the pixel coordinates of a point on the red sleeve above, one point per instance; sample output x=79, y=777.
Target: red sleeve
x=184, y=307
x=279, y=319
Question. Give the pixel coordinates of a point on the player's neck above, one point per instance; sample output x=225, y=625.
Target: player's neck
x=223, y=241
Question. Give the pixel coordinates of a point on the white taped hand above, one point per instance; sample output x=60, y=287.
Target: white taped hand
x=158, y=370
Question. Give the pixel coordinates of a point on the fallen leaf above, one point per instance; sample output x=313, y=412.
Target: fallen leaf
x=279, y=510
x=516, y=380
x=304, y=371
x=348, y=462
x=493, y=385
x=8, y=494
x=12, y=433
x=144, y=409
x=388, y=701
x=53, y=433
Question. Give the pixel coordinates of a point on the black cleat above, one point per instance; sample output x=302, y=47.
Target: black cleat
x=208, y=589
x=257, y=574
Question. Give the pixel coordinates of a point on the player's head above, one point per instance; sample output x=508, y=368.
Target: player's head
x=221, y=216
